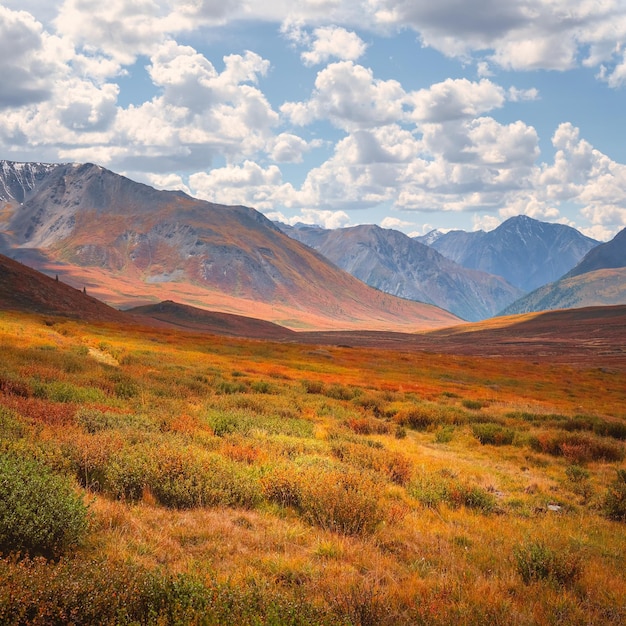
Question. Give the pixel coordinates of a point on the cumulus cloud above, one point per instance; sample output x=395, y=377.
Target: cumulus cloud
x=350, y=97
x=521, y=34
x=117, y=29
x=395, y=223
x=455, y=99
x=316, y=217
x=288, y=148
x=26, y=65
x=247, y=184
x=333, y=42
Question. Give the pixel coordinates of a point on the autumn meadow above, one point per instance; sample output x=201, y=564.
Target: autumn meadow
x=162, y=477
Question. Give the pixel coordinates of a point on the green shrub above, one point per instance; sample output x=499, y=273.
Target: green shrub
x=615, y=430
x=536, y=561
x=39, y=512
x=431, y=490
x=614, y=504
x=474, y=405
x=343, y=501
x=493, y=434
x=11, y=427
x=186, y=479
x=313, y=386
x=231, y=422
x=61, y=391
x=444, y=434
x=84, y=592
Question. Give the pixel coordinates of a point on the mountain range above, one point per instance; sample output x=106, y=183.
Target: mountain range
x=393, y=262
x=130, y=244
x=526, y=252
x=599, y=279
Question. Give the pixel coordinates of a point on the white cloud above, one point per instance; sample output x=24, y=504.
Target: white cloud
x=325, y=219
x=455, y=99
x=485, y=222
x=248, y=184
x=117, y=29
x=395, y=223
x=350, y=97
x=521, y=95
x=520, y=34
x=333, y=42
x=27, y=65
x=288, y=148
x=168, y=181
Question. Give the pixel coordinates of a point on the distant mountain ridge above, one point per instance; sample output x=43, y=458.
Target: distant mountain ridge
x=598, y=280
x=526, y=252
x=132, y=244
x=394, y=263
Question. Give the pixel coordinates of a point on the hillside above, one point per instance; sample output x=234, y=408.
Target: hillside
x=27, y=290
x=189, y=318
x=609, y=255
x=394, y=263
x=131, y=244
x=528, y=253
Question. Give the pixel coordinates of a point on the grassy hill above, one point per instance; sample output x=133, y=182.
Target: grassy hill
x=211, y=480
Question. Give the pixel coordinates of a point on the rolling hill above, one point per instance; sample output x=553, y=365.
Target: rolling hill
x=130, y=244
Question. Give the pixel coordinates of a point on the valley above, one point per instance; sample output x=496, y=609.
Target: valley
x=259, y=438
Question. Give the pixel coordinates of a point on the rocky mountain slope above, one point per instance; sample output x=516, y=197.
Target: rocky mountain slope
x=131, y=244
x=394, y=263
x=598, y=280
x=526, y=252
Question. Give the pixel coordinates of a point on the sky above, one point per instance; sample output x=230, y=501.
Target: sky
x=410, y=114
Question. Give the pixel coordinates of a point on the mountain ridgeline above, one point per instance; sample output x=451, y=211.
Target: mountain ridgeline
x=526, y=252
x=393, y=262
x=132, y=244
x=598, y=280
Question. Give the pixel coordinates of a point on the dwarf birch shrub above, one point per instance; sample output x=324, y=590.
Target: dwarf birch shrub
x=40, y=514
x=537, y=561
x=493, y=434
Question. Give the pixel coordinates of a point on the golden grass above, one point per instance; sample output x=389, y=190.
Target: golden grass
x=352, y=478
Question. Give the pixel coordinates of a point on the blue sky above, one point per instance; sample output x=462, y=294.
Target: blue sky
x=405, y=113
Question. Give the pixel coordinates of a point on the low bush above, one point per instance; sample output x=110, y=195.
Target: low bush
x=427, y=415
x=243, y=422
x=493, y=434
x=367, y=426
x=94, y=420
x=394, y=466
x=614, y=503
x=83, y=593
x=578, y=447
x=432, y=490
x=40, y=514
x=339, y=500
x=473, y=405
x=536, y=561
